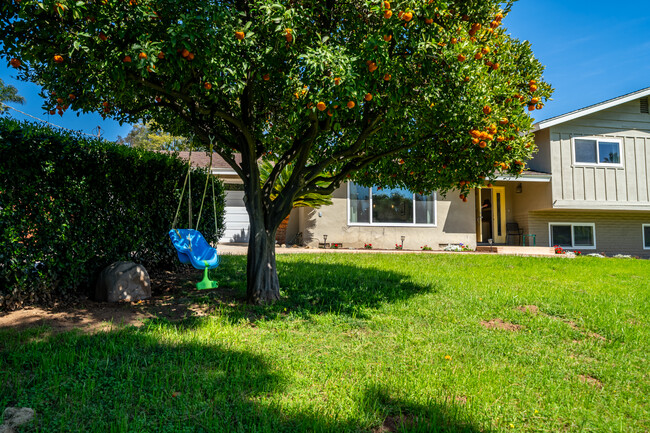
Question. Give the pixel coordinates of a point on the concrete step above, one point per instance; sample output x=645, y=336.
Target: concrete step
x=516, y=251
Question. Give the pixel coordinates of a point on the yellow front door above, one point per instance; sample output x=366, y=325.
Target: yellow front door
x=499, y=214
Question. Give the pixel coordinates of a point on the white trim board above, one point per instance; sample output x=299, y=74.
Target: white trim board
x=591, y=109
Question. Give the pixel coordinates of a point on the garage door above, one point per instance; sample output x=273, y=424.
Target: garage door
x=237, y=226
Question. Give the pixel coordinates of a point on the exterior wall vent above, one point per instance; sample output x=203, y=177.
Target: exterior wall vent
x=643, y=104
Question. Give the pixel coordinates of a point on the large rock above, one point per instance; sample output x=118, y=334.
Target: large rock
x=15, y=416
x=123, y=281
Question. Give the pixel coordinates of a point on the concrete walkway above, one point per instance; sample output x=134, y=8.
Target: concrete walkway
x=241, y=250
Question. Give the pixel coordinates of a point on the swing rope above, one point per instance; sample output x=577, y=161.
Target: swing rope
x=185, y=182
x=205, y=188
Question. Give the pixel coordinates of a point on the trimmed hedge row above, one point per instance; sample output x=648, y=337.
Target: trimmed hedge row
x=69, y=206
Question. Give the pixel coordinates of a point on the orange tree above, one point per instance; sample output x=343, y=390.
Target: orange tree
x=426, y=95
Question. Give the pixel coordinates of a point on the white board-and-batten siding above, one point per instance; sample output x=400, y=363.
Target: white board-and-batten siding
x=576, y=186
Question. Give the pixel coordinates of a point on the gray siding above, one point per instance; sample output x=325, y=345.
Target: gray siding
x=616, y=232
x=598, y=187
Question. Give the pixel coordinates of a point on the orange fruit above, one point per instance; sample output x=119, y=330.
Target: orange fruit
x=534, y=100
x=500, y=138
x=158, y=99
x=388, y=14
x=52, y=112
x=503, y=121
x=475, y=140
x=71, y=96
x=59, y=100
x=387, y=77
x=533, y=87
x=329, y=113
x=407, y=16
x=185, y=52
x=478, y=56
x=207, y=86
x=495, y=66
x=190, y=56
x=499, y=16
x=387, y=5
x=388, y=37
x=531, y=82
x=487, y=109
x=485, y=50
x=539, y=106
x=372, y=67
x=127, y=59
x=266, y=77
x=531, y=107
x=58, y=58
x=461, y=58
x=351, y=104
x=102, y=36
x=161, y=55
x=321, y=106
x=482, y=144
x=15, y=63
x=428, y=20
x=142, y=56
x=240, y=35
x=368, y=97
x=454, y=40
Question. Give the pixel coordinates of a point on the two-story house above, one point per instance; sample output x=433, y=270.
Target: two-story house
x=587, y=189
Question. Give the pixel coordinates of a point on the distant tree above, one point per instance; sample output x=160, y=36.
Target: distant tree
x=418, y=94
x=151, y=137
x=9, y=93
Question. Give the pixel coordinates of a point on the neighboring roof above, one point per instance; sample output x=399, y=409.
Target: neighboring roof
x=202, y=159
x=591, y=109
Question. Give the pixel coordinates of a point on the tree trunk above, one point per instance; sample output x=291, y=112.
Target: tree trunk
x=262, y=284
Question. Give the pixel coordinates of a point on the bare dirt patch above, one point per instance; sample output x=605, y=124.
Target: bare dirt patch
x=396, y=423
x=500, y=324
x=531, y=309
x=173, y=298
x=590, y=381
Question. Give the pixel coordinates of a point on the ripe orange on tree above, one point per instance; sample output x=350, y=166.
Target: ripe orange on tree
x=207, y=85
x=142, y=56
x=321, y=106
x=428, y=20
x=127, y=59
x=388, y=37
x=337, y=81
x=351, y=104
x=266, y=77
x=58, y=58
x=161, y=55
x=368, y=97
x=461, y=58
x=487, y=109
x=15, y=63
x=240, y=35
x=103, y=37
x=388, y=14
x=387, y=77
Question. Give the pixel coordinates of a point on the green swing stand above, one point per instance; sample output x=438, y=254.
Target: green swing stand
x=206, y=283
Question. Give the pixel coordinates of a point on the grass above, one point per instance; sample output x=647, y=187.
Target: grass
x=360, y=341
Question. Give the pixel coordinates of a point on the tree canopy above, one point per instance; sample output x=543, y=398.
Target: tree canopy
x=9, y=93
x=151, y=137
x=426, y=95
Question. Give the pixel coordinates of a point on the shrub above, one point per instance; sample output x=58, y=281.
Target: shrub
x=69, y=206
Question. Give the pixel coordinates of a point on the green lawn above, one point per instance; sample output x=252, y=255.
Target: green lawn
x=361, y=340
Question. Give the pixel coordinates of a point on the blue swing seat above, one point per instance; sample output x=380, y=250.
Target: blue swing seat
x=192, y=247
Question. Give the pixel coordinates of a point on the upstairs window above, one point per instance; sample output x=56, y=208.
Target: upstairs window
x=390, y=206
x=597, y=151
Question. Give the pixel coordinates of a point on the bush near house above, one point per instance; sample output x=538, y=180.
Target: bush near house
x=69, y=206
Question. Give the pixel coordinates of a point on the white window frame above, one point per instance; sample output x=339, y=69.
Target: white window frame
x=573, y=246
x=373, y=224
x=598, y=140
x=643, y=226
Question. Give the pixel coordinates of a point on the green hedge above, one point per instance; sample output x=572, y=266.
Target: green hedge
x=69, y=206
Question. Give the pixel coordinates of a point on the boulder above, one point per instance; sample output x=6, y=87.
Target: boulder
x=123, y=281
x=15, y=416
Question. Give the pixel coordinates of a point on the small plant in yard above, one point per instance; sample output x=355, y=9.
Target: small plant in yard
x=399, y=247
x=426, y=248
x=367, y=246
x=558, y=249
x=336, y=246
x=458, y=248
x=577, y=253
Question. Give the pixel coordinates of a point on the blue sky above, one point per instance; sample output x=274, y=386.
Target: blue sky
x=593, y=50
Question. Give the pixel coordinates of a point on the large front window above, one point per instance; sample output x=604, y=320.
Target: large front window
x=597, y=151
x=390, y=206
x=573, y=235
x=646, y=236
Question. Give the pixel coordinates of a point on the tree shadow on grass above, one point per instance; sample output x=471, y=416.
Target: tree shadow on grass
x=132, y=380
x=312, y=287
